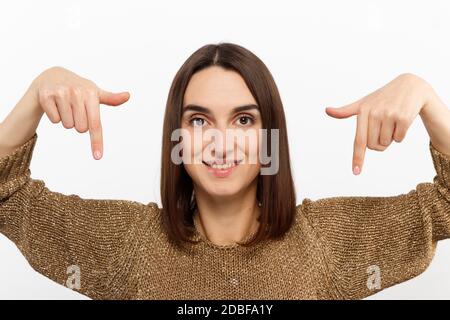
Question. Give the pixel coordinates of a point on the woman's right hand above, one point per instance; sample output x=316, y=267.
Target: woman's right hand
x=68, y=98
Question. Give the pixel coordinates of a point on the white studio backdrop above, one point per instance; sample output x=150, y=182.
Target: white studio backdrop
x=321, y=53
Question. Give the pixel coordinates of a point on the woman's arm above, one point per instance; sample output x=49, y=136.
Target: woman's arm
x=62, y=236
x=386, y=114
x=436, y=119
x=372, y=243
x=65, y=97
x=21, y=123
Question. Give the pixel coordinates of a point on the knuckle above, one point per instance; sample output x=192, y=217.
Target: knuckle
x=62, y=91
x=399, y=136
x=377, y=147
x=375, y=114
x=81, y=128
x=401, y=124
x=395, y=114
x=91, y=92
x=390, y=114
x=67, y=125
x=54, y=118
x=363, y=108
x=76, y=91
x=45, y=94
x=358, y=143
x=403, y=119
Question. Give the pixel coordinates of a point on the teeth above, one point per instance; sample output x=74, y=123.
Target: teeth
x=222, y=166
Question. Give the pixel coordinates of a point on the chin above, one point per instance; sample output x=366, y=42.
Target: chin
x=222, y=187
x=221, y=191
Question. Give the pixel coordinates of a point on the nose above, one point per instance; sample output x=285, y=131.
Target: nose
x=223, y=144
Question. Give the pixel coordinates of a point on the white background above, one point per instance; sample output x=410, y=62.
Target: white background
x=321, y=53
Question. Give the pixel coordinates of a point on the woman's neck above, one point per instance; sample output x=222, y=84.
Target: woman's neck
x=227, y=221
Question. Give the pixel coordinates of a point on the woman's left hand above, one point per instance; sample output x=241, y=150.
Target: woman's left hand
x=384, y=115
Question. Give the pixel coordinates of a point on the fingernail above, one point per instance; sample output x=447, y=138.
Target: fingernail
x=97, y=154
x=356, y=170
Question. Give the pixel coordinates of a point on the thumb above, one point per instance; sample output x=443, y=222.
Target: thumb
x=113, y=99
x=342, y=112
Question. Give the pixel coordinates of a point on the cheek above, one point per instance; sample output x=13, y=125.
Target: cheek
x=191, y=149
x=250, y=147
x=249, y=172
x=194, y=171
x=253, y=153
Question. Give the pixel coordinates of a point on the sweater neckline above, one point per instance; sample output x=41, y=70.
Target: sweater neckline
x=202, y=238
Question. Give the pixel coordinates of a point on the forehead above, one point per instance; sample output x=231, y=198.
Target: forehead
x=215, y=87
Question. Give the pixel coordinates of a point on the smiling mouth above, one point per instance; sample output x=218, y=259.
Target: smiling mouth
x=225, y=166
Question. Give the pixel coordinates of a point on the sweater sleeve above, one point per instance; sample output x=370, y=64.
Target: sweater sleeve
x=372, y=243
x=66, y=238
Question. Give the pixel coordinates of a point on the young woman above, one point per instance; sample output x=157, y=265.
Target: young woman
x=229, y=227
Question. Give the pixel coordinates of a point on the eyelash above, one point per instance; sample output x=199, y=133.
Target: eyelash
x=191, y=121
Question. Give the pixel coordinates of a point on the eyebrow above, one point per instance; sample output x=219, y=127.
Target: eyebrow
x=197, y=108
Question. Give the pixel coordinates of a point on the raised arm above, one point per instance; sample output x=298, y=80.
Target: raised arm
x=372, y=243
x=64, y=97
x=71, y=240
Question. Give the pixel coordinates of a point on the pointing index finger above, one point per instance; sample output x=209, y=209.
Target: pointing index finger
x=95, y=126
x=360, y=143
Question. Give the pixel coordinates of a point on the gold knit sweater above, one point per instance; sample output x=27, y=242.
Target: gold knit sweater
x=122, y=251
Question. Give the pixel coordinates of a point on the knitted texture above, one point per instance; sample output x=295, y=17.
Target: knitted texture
x=337, y=248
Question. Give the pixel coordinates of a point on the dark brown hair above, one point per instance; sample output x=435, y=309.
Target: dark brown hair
x=276, y=192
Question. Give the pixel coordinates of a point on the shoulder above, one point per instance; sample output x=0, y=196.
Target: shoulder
x=151, y=224
x=303, y=211
x=153, y=214
x=302, y=227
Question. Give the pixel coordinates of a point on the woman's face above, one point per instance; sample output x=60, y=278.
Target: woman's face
x=221, y=123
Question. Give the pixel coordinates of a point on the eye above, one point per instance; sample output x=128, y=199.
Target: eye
x=245, y=120
x=197, y=122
